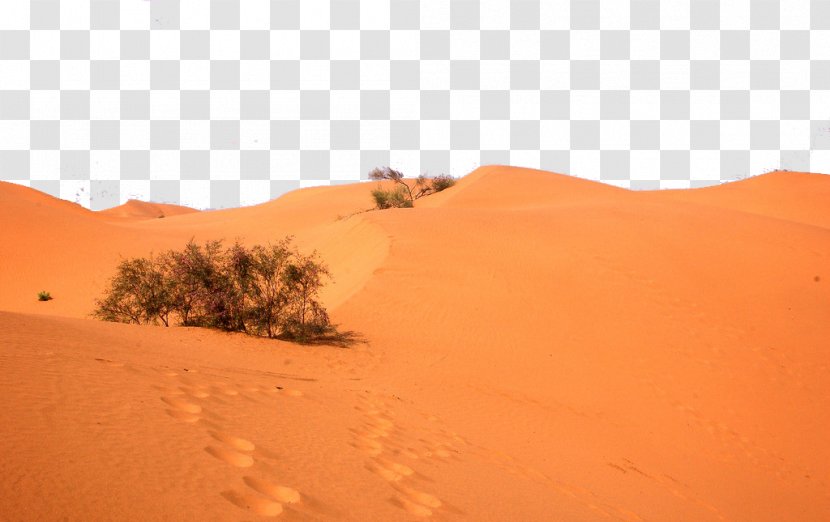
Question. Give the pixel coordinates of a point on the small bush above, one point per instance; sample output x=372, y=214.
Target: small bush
x=306, y=317
x=141, y=292
x=442, y=182
x=403, y=195
x=395, y=198
x=195, y=293
x=270, y=291
x=44, y=296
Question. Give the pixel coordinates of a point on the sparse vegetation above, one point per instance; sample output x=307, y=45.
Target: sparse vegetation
x=270, y=291
x=44, y=296
x=395, y=198
x=403, y=194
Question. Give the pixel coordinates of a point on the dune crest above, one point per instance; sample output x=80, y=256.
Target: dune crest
x=501, y=187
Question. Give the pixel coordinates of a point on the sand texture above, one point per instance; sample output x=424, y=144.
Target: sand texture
x=538, y=347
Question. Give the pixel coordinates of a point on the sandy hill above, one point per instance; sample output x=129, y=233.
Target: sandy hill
x=136, y=209
x=539, y=347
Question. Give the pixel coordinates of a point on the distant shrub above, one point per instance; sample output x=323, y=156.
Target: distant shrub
x=403, y=195
x=270, y=291
x=44, y=296
x=442, y=182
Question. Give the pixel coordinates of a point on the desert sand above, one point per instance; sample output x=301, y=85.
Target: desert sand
x=537, y=347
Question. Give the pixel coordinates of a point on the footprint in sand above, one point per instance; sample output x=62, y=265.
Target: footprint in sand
x=371, y=446
x=182, y=405
x=376, y=432
x=406, y=452
x=413, y=508
x=110, y=363
x=254, y=503
x=234, y=442
x=234, y=458
x=196, y=393
x=381, y=423
x=419, y=497
x=282, y=494
x=385, y=441
x=183, y=416
x=386, y=474
x=389, y=470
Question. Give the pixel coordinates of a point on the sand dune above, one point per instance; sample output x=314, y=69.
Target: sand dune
x=793, y=196
x=136, y=209
x=540, y=347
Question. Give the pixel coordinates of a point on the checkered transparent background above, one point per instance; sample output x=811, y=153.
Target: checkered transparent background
x=217, y=103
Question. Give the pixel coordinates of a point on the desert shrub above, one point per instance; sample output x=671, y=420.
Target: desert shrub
x=305, y=317
x=395, y=198
x=44, y=296
x=442, y=182
x=196, y=293
x=270, y=290
x=403, y=195
x=267, y=296
x=237, y=275
x=141, y=292
x=381, y=198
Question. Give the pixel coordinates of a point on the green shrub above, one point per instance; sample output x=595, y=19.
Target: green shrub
x=268, y=297
x=442, y=182
x=195, y=270
x=44, y=296
x=403, y=195
x=270, y=290
x=141, y=292
x=305, y=316
x=394, y=198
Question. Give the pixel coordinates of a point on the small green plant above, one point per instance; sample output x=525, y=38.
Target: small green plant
x=403, y=195
x=44, y=296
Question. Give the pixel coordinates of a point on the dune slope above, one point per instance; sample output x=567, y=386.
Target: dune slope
x=538, y=347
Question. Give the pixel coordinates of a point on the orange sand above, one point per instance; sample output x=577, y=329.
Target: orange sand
x=539, y=347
